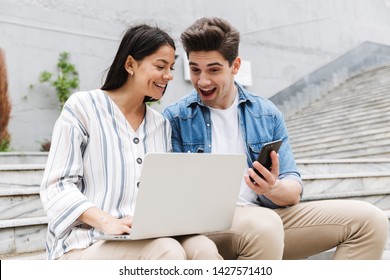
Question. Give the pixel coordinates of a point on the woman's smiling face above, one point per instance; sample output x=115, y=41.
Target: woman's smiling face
x=153, y=73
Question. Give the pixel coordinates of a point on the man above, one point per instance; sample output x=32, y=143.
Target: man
x=220, y=116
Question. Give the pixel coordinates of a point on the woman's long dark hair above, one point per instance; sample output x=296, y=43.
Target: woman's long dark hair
x=139, y=41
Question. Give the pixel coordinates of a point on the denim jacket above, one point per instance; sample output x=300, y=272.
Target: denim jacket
x=260, y=121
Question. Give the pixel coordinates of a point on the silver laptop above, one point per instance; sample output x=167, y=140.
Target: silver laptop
x=185, y=193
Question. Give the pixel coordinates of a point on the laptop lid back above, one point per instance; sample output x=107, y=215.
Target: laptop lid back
x=187, y=193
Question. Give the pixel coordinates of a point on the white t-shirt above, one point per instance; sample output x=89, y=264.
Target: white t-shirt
x=227, y=138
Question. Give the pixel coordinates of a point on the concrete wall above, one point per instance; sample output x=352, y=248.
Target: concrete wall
x=283, y=39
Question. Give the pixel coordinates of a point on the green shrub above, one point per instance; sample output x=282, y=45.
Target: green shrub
x=66, y=81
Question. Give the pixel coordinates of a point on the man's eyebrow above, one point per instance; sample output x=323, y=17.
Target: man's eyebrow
x=208, y=65
x=214, y=64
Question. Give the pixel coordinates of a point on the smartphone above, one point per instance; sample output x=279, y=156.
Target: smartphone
x=265, y=155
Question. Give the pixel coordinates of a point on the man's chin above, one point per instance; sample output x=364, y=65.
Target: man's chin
x=207, y=102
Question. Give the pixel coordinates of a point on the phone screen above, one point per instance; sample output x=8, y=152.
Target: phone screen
x=265, y=155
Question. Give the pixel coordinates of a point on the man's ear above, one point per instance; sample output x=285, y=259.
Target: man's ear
x=236, y=65
x=129, y=64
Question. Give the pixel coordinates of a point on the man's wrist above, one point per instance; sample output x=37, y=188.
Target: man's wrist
x=276, y=186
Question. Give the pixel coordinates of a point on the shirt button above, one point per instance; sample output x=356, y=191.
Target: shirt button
x=136, y=140
x=137, y=184
x=139, y=160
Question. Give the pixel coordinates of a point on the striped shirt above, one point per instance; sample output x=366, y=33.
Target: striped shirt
x=95, y=160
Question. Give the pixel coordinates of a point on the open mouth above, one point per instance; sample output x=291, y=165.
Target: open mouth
x=207, y=92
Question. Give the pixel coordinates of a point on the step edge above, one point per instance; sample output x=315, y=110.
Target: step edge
x=37, y=255
x=344, y=175
x=10, y=223
x=22, y=167
x=342, y=161
x=19, y=190
x=339, y=195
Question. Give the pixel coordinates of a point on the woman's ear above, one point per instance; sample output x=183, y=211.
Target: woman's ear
x=129, y=65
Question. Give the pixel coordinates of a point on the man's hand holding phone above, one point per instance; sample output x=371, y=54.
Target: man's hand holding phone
x=263, y=176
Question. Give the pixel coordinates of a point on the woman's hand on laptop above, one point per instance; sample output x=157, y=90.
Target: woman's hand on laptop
x=112, y=225
x=105, y=222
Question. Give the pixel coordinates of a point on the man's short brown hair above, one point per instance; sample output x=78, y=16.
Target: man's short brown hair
x=212, y=34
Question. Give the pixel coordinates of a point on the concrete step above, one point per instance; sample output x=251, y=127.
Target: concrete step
x=341, y=127
x=361, y=179
x=359, y=143
x=20, y=236
x=21, y=174
x=349, y=121
x=371, y=152
x=37, y=255
x=333, y=107
x=328, y=255
x=20, y=202
x=340, y=136
x=355, y=87
x=332, y=166
x=317, y=131
x=23, y=222
x=325, y=124
x=19, y=190
x=379, y=198
x=346, y=182
x=23, y=157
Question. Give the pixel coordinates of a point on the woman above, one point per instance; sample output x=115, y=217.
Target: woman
x=98, y=145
